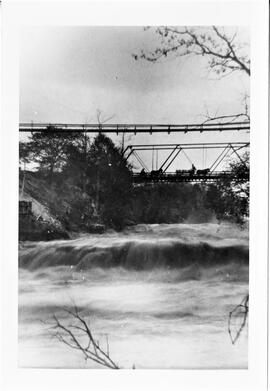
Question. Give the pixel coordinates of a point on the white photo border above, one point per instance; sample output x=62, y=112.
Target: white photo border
x=194, y=12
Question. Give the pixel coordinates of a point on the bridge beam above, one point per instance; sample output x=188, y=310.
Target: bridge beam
x=173, y=177
x=133, y=128
x=170, y=155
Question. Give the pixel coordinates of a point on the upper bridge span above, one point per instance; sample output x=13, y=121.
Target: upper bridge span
x=134, y=128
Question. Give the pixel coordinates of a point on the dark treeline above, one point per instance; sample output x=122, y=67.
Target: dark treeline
x=88, y=184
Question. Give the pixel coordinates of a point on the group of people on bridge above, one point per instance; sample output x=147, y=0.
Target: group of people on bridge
x=193, y=171
x=158, y=173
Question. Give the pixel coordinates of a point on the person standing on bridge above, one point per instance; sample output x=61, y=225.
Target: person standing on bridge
x=142, y=173
x=193, y=170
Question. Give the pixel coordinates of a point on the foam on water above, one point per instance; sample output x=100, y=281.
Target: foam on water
x=162, y=305
x=142, y=248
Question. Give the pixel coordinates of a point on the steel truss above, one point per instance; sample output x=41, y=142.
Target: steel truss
x=175, y=149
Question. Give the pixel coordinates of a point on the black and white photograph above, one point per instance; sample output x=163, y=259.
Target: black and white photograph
x=134, y=234
x=134, y=212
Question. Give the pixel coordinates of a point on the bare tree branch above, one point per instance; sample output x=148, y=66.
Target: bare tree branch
x=240, y=311
x=228, y=118
x=223, y=53
x=225, y=119
x=92, y=349
x=104, y=120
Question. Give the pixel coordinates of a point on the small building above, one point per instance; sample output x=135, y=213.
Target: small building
x=25, y=208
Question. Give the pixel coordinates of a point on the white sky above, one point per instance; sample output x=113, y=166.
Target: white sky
x=68, y=73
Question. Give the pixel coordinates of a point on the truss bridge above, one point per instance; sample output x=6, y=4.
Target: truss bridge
x=210, y=174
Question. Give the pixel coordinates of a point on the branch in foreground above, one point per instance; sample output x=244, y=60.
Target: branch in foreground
x=241, y=310
x=79, y=336
x=224, y=54
x=226, y=119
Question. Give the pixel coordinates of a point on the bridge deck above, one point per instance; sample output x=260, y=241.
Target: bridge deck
x=133, y=128
x=173, y=177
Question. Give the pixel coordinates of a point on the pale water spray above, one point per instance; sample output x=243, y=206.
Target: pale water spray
x=161, y=293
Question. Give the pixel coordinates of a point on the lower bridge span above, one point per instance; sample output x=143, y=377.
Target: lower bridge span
x=148, y=177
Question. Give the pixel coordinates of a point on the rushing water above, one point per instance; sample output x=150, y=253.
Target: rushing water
x=160, y=293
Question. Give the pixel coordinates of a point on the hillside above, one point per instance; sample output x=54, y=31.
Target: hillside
x=52, y=209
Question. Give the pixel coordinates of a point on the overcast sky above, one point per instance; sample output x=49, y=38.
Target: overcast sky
x=68, y=73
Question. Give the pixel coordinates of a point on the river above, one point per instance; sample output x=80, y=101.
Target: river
x=160, y=294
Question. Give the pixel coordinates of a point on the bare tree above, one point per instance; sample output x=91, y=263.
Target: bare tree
x=224, y=53
x=78, y=336
x=221, y=47
x=239, y=313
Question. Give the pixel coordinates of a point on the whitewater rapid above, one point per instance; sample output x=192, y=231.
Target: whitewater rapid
x=160, y=293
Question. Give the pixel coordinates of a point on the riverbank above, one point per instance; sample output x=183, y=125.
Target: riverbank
x=56, y=209
x=46, y=213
